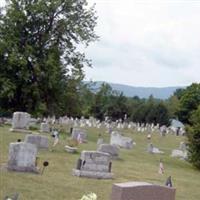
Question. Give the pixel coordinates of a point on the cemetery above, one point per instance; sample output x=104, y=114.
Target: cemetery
x=115, y=120
x=110, y=171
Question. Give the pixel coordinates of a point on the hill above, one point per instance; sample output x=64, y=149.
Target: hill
x=142, y=92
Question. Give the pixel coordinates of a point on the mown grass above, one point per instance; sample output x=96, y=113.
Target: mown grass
x=57, y=183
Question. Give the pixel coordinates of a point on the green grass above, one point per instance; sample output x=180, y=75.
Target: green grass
x=57, y=183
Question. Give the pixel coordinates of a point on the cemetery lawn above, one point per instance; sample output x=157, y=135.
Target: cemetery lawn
x=57, y=183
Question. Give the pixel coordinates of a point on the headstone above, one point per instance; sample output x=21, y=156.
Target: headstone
x=22, y=157
x=39, y=140
x=163, y=130
x=99, y=141
x=94, y=164
x=44, y=127
x=79, y=134
x=183, y=146
x=113, y=150
x=121, y=141
x=153, y=150
x=176, y=153
x=150, y=148
x=20, y=121
x=70, y=149
x=141, y=191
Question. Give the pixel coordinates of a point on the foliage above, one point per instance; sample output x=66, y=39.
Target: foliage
x=189, y=101
x=194, y=138
x=101, y=101
x=151, y=111
x=172, y=105
x=39, y=55
x=72, y=143
x=91, y=196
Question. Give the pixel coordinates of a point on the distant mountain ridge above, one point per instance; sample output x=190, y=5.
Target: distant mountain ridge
x=142, y=92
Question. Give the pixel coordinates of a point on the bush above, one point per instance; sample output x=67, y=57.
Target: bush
x=193, y=133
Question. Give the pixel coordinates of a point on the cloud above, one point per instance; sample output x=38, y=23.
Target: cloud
x=146, y=43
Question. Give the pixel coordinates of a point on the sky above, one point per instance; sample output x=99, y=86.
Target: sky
x=150, y=43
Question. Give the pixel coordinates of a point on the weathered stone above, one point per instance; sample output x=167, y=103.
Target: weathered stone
x=79, y=134
x=94, y=164
x=100, y=141
x=22, y=157
x=113, y=150
x=44, y=127
x=121, y=141
x=70, y=149
x=152, y=149
x=183, y=146
x=39, y=140
x=141, y=191
x=176, y=153
x=92, y=174
x=20, y=120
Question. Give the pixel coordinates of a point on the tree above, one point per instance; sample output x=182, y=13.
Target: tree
x=101, y=102
x=193, y=133
x=189, y=102
x=117, y=107
x=39, y=51
x=172, y=105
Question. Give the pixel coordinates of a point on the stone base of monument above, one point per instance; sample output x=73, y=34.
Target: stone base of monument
x=94, y=164
x=92, y=174
x=70, y=149
x=23, y=169
x=20, y=130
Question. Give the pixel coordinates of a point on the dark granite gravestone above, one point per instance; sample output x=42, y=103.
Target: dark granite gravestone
x=169, y=182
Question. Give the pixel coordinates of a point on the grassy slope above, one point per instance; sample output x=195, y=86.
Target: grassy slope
x=57, y=183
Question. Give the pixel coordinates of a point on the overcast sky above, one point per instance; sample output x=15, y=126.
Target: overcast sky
x=146, y=42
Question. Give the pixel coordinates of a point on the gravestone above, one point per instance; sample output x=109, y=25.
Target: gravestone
x=141, y=191
x=94, y=164
x=39, y=140
x=79, y=134
x=20, y=122
x=113, y=150
x=153, y=150
x=22, y=157
x=183, y=146
x=176, y=153
x=100, y=141
x=44, y=127
x=121, y=141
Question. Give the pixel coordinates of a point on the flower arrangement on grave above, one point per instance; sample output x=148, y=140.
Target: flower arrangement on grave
x=91, y=196
x=72, y=143
x=71, y=146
